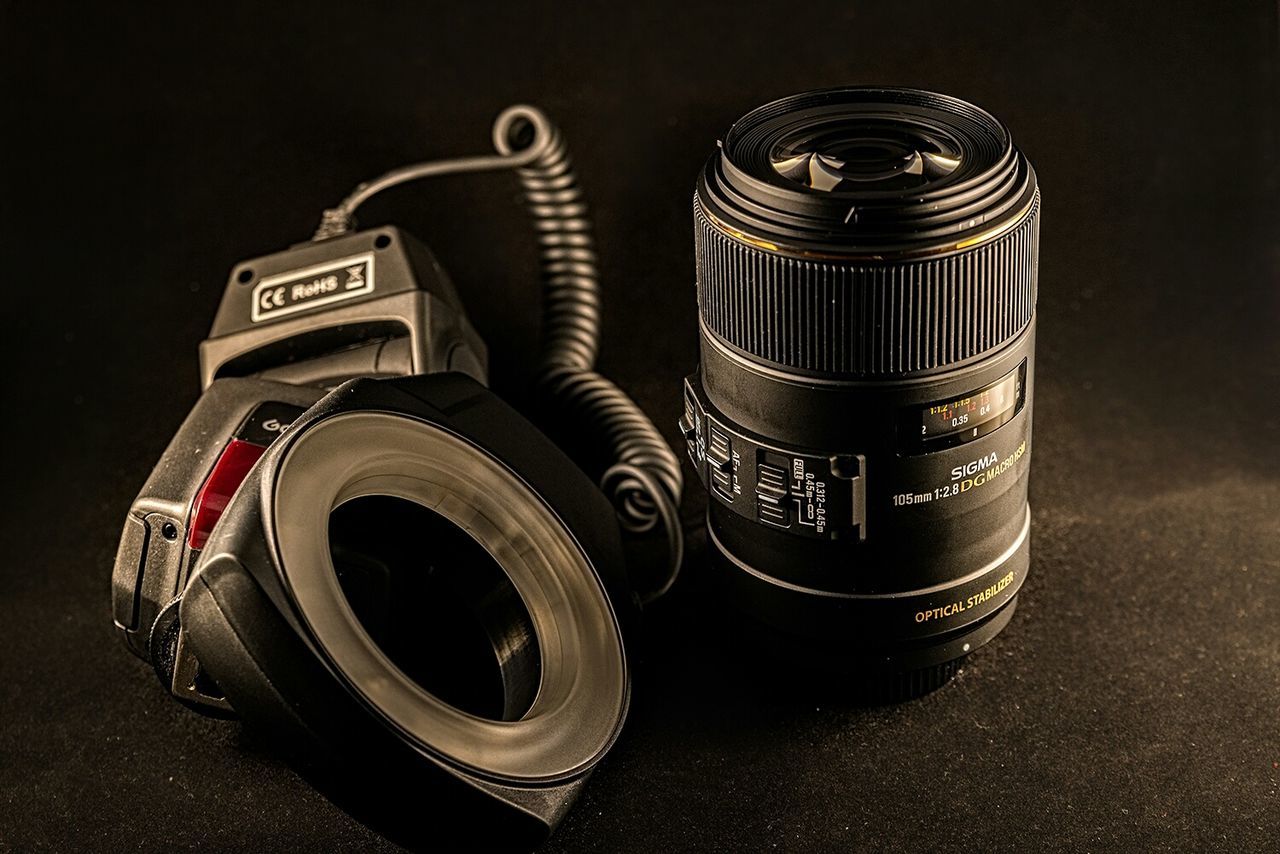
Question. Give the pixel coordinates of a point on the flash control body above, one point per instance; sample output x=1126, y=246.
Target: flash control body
x=291, y=326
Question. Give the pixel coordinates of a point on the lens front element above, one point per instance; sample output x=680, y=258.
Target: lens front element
x=839, y=158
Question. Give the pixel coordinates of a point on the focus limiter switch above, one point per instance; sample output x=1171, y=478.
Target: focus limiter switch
x=772, y=504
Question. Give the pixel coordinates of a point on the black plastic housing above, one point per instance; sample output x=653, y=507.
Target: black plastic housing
x=155, y=559
x=404, y=318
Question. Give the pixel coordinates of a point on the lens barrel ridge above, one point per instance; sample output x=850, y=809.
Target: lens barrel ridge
x=855, y=319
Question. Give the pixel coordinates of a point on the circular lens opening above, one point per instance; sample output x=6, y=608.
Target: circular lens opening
x=868, y=155
x=437, y=604
x=865, y=172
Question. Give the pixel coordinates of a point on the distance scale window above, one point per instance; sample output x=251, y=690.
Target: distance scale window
x=947, y=423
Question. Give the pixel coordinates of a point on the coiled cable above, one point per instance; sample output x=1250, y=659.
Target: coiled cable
x=643, y=481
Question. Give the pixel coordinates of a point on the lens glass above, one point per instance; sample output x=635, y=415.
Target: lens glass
x=864, y=154
x=437, y=604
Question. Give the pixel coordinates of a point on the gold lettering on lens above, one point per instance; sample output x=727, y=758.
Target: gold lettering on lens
x=961, y=605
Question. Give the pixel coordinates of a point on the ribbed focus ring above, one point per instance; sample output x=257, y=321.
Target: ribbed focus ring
x=865, y=319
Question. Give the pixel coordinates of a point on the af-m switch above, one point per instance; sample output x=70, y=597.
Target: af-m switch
x=720, y=462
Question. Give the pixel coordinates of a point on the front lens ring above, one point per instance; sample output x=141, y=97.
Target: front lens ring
x=987, y=184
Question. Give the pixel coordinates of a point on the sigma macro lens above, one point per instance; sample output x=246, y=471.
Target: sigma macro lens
x=861, y=415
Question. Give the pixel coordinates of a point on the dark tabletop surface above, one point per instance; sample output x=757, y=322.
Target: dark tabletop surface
x=1133, y=702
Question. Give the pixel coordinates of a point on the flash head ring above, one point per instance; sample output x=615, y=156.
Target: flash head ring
x=581, y=700
x=241, y=617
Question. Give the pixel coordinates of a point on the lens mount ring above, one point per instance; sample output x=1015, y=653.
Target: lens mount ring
x=582, y=698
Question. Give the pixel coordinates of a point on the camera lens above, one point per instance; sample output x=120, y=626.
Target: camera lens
x=835, y=159
x=861, y=415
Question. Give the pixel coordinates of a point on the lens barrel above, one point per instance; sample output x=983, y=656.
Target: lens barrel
x=861, y=416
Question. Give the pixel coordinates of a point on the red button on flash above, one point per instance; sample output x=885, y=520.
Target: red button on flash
x=228, y=472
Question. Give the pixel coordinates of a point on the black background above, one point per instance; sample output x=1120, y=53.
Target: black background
x=1134, y=701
